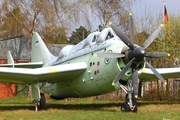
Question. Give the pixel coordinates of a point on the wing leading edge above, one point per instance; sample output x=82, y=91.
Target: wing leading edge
x=48, y=74
x=147, y=74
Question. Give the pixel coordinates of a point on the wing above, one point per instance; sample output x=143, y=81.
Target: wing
x=47, y=74
x=147, y=74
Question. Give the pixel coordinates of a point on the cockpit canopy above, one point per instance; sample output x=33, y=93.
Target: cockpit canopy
x=105, y=34
x=92, y=39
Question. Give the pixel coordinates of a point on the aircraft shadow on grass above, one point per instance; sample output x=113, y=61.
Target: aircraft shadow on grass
x=69, y=106
x=79, y=106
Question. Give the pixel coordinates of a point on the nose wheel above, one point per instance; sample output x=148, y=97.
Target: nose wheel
x=130, y=105
x=124, y=108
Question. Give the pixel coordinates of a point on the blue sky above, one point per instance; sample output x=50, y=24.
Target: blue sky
x=156, y=6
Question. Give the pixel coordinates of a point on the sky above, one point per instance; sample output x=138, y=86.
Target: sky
x=156, y=6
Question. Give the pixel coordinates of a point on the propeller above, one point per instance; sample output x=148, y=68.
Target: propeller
x=122, y=37
x=131, y=28
x=135, y=81
x=151, y=38
x=136, y=54
x=157, y=54
x=119, y=76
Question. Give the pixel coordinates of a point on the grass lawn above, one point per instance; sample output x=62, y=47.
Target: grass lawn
x=21, y=108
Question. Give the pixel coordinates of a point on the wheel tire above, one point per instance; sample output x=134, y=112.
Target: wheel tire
x=125, y=108
x=134, y=100
x=42, y=102
x=135, y=109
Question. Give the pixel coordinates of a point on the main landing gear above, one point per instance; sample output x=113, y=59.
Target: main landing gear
x=40, y=104
x=130, y=104
x=38, y=98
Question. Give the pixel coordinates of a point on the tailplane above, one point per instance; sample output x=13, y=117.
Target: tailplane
x=40, y=52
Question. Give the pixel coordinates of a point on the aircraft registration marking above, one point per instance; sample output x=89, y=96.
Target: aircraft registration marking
x=52, y=70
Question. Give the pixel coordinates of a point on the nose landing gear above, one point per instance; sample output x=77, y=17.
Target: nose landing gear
x=130, y=104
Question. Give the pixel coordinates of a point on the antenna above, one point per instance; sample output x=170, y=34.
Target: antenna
x=12, y=38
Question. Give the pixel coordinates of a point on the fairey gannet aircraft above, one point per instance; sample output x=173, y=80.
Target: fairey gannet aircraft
x=101, y=63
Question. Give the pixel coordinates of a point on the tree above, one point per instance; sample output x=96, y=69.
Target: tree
x=170, y=42
x=116, y=11
x=78, y=35
x=162, y=43
x=56, y=36
x=47, y=17
x=10, y=26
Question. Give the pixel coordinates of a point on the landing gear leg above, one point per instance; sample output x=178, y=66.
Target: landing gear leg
x=130, y=101
x=38, y=98
x=36, y=102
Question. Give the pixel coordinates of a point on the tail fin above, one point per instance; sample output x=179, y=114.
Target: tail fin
x=10, y=58
x=40, y=52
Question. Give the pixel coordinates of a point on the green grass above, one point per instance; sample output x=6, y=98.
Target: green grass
x=21, y=108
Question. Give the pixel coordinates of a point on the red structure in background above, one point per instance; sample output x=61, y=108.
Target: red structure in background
x=9, y=90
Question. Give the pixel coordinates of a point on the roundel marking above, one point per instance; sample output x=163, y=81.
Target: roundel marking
x=108, y=60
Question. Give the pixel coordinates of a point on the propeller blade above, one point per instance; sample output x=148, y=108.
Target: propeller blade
x=122, y=37
x=155, y=72
x=151, y=38
x=135, y=82
x=157, y=54
x=121, y=73
x=110, y=55
x=131, y=27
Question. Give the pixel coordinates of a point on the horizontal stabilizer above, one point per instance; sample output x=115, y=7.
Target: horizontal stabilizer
x=20, y=65
x=24, y=65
